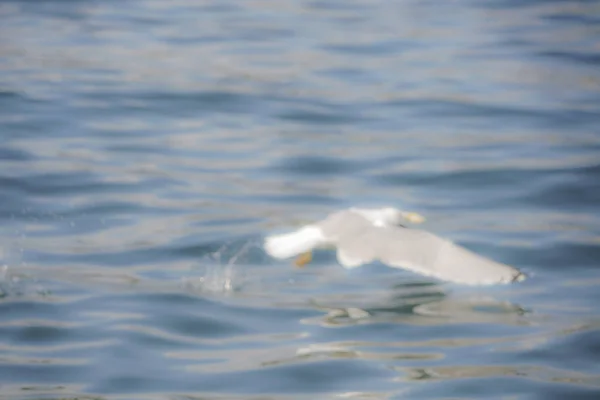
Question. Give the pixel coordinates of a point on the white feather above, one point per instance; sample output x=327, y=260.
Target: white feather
x=362, y=236
x=387, y=216
x=294, y=243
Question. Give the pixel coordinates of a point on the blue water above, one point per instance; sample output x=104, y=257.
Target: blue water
x=147, y=146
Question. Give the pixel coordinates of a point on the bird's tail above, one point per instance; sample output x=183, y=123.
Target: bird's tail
x=294, y=243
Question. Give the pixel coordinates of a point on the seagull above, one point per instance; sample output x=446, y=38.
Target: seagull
x=362, y=236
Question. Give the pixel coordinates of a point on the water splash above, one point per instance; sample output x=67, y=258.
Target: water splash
x=10, y=282
x=17, y=283
x=220, y=272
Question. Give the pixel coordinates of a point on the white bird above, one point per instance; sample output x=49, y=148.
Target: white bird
x=362, y=236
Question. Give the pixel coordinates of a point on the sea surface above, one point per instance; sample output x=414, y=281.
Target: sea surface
x=148, y=146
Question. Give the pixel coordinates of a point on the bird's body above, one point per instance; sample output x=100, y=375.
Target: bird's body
x=362, y=236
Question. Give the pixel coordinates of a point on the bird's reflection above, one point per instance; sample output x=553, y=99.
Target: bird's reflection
x=415, y=303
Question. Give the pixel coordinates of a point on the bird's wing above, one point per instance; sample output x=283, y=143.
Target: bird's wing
x=294, y=243
x=424, y=253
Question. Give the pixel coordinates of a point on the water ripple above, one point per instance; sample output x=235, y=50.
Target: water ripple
x=146, y=149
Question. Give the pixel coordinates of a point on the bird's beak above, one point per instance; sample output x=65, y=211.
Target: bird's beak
x=413, y=217
x=303, y=259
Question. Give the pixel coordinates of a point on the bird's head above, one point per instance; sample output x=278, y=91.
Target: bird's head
x=388, y=216
x=391, y=216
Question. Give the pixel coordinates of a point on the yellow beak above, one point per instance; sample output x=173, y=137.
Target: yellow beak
x=414, y=217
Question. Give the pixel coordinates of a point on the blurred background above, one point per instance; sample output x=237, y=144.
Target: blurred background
x=147, y=146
